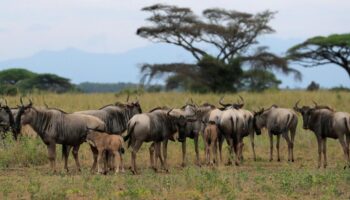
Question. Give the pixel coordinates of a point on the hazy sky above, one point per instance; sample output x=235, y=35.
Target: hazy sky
x=108, y=26
x=28, y=26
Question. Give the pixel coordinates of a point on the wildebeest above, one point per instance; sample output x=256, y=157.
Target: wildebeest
x=157, y=126
x=102, y=142
x=57, y=127
x=326, y=123
x=194, y=128
x=8, y=120
x=248, y=129
x=115, y=116
x=278, y=121
x=232, y=126
x=211, y=140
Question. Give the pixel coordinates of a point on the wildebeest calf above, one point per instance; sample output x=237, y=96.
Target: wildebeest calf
x=101, y=142
x=211, y=140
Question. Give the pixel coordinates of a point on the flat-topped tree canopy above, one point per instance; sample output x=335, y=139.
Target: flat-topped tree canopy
x=229, y=32
x=321, y=50
x=223, y=42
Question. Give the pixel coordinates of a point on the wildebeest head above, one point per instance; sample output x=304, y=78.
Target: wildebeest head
x=237, y=105
x=25, y=114
x=134, y=107
x=181, y=121
x=306, y=112
x=259, y=121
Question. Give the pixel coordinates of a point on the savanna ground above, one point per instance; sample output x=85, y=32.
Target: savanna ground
x=25, y=173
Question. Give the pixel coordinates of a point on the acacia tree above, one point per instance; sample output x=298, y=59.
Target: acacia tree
x=316, y=51
x=229, y=36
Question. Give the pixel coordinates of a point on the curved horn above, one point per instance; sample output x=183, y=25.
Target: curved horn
x=21, y=100
x=5, y=102
x=315, y=103
x=127, y=98
x=242, y=100
x=296, y=106
x=30, y=102
x=221, y=102
x=168, y=113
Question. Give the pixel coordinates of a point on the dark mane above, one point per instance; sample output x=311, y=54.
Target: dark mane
x=58, y=109
x=105, y=106
x=158, y=108
x=208, y=104
x=324, y=107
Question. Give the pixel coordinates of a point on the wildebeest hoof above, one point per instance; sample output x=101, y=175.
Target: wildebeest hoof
x=278, y=160
x=183, y=165
x=271, y=160
x=155, y=169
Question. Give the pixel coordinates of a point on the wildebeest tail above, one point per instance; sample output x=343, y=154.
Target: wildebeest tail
x=347, y=124
x=131, y=128
x=209, y=136
x=65, y=151
x=234, y=130
x=122, y=150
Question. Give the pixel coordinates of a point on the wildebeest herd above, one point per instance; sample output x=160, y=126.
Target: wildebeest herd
x=106, y=129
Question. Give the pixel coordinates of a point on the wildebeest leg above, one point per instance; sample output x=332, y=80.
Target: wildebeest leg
x=292, y=135
x=135, y=148
x=215, y=151
x=271, y=145
x=345, y=148
x=251, y=136
x=196, y=150
x=165, y=154
x=94, y=154
x=207, y=146
x=221, y=141
x=117, y=161
x=324, y=148
x=348, y=150
x=319, y=144
x=231, y=148
x=65, y=153
x=51, y=148
x=159, y=155
x=76, y=156
x=278, y=147
x=100, y=161
x=183, y=153
x=151, y=155
x=289, y=142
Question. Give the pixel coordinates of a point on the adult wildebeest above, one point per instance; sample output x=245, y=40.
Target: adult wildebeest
x=326, y=123
x=156, y=126
x=194, y=128
x=232, y=126
x=248, y=129
x=8, y=120
x=115, y=116
x=278, y=121
x=57, y=127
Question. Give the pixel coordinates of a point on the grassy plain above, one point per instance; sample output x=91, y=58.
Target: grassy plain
x=25, y=173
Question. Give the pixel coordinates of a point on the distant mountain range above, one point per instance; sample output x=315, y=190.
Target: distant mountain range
x=81, y=66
